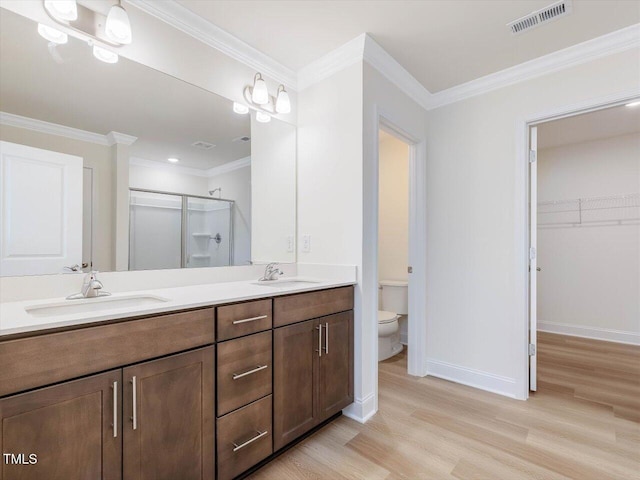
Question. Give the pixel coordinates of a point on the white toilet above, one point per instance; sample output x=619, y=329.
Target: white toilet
x=394, y=303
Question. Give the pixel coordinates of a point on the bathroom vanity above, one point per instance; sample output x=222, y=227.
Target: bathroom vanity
x=197, y=393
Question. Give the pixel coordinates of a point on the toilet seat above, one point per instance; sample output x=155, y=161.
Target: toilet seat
x=386, y=317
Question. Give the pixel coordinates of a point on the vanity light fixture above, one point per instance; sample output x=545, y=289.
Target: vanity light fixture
x=173, y=159
x=259, y=93
x=118, y=26
x=240, y=108
x=104, y=55
x=283, y=104
x=263, y=117
x=633, y=104
x=66, y=10
x=52, y=34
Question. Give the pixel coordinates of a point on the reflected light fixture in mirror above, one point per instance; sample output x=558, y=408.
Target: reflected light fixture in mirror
x=118, y=26
x=104, y=55
x=66, y=10
x=263, y=117
x=52, y=34
x=240, y=108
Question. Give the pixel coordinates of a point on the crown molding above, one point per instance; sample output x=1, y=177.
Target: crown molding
x=49, y=128
x=333, y=62
x=196, y=172
x=194, y=25
x=611, y=43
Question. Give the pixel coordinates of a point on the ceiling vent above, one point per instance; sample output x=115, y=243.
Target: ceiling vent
x=242, y=139
x=540, y=17
x=203, y=145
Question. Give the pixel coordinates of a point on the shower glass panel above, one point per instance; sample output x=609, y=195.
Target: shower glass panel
x=209, y=232
x=155, y=226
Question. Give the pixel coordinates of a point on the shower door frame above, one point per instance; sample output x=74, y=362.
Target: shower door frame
x=183, y=220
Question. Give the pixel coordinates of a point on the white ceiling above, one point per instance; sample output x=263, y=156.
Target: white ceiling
x=166, y=114
x=442, y=43
x=601, y=124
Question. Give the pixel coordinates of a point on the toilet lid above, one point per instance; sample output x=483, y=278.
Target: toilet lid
x=386, y=317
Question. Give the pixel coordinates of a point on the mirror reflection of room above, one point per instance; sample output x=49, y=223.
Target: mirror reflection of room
x=142, y=170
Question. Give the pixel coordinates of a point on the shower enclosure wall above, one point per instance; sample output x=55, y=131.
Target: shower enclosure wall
x=168, y=230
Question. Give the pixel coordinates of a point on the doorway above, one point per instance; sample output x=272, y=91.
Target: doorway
x=584, y=273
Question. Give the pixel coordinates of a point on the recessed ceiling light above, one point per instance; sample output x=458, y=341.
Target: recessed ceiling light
x=52, y=34
x=240, y=108
x=633, y=104
x=173, y=159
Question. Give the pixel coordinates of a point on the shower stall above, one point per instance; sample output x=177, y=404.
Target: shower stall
x=169, y=230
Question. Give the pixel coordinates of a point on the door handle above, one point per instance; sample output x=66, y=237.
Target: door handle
x=326, y=338
x=134, y=418
x=115, y=409
x=319, y=350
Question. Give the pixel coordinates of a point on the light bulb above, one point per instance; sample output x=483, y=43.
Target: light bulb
x=283, y=104
x=51, y=34
x=62, y=9
x=259, y=94
x=263, y=117
x=240, y=108
x=118, y=26
x=105, y=55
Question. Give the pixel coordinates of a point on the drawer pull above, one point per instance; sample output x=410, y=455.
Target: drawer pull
x=236, y=376
x=259, y=435
x=252, y=319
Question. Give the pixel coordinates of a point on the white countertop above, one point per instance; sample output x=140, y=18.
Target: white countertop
x=15, y=319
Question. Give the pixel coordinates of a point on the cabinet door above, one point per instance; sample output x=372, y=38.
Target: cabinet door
x=68, y=427
x=295, y=351
x=335, y=378
x=169, y=418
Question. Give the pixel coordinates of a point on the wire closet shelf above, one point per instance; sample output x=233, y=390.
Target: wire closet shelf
x=610, y=210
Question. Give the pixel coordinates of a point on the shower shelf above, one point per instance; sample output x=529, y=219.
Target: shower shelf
x=200, y=255
x=202, y=234
x=614, y=209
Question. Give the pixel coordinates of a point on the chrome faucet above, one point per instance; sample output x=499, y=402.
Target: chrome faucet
x=91, y=287
x=271, y=273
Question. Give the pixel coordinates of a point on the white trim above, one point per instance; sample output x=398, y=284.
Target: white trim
x=473, y=378
x=604, y=45
x=362, y=409
x=378, y=58
x=120, y=138
x=606, y=334
x=209, y=173
x=201, y=29
x=333, y=62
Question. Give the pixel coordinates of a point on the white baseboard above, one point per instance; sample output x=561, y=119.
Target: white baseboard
x=596, y=333
x=473, y=378
x=361, y=410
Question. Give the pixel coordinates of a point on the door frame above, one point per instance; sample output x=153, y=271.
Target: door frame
x=523, y=223
x=417, y=320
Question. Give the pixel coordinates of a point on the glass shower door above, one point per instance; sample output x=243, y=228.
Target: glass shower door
x=209, y=233
x=155, y=225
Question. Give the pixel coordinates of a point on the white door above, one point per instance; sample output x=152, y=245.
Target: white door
x=40, y=210
x=533, y=262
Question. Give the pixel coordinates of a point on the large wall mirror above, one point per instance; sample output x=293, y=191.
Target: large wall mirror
x=122, y=167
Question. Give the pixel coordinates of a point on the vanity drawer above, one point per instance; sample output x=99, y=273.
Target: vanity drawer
x=45, y=359
x=305, y=306
x=244, y=438
x=243, y=319
x=244, y=371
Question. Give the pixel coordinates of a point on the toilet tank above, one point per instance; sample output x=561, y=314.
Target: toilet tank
x=395, y=296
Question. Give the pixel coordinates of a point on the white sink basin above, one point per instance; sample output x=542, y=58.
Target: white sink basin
x=286, y=283
x=90, y=305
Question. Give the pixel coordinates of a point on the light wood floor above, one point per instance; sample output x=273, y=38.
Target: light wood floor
x=582, y=424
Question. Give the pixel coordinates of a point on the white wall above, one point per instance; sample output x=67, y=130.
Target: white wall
x=165, y=179
x=236, y=185
x=96, y=157
x=476, y=222
x=393, y=217
x=590, y=278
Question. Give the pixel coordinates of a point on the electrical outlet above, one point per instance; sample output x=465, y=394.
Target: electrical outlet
x=290, y=243
x=306, y=243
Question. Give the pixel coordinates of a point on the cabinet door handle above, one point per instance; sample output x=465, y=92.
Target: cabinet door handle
x=252, y=319
x=134, y=418
x=326, y=338
x=259, y=435
x=115, y=409
x=236, y=376
x=319, y=350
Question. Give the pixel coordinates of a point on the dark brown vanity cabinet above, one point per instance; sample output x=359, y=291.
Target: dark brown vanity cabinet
x=313, y=364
